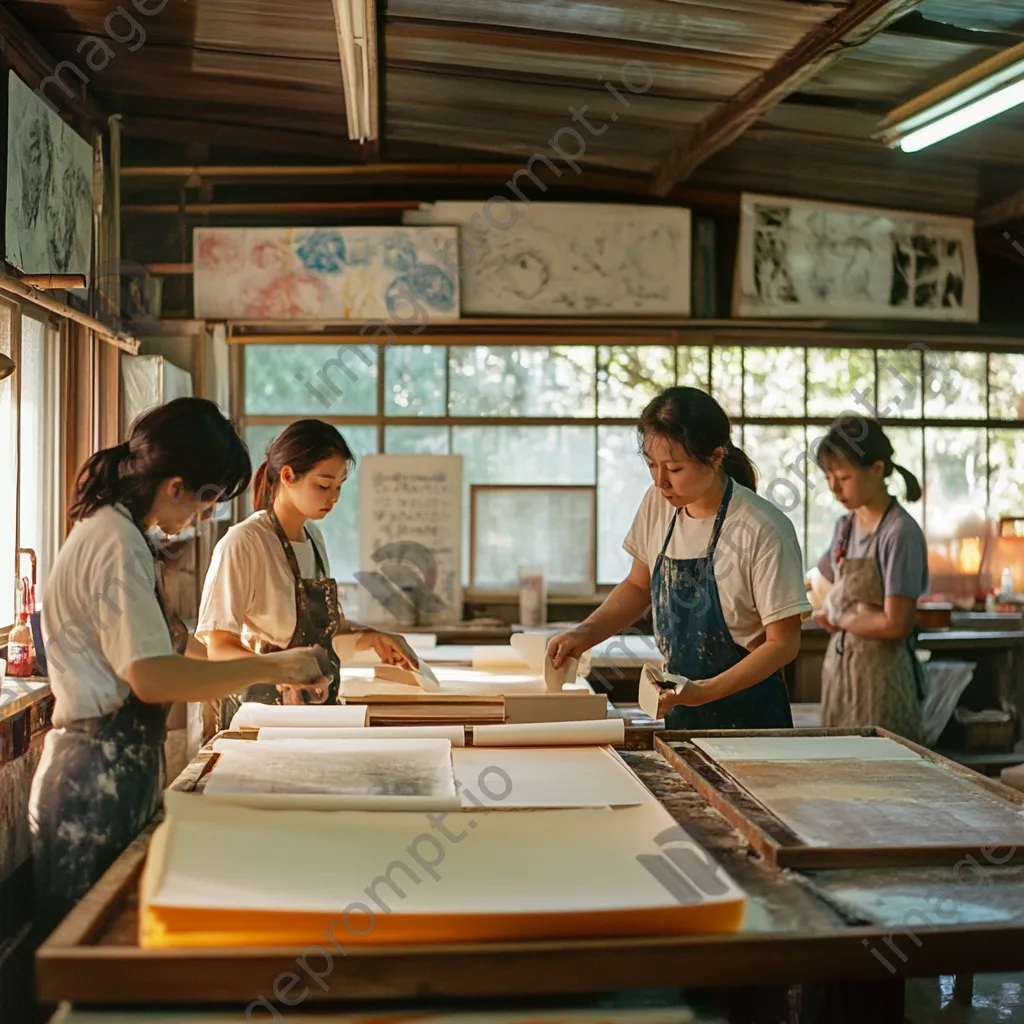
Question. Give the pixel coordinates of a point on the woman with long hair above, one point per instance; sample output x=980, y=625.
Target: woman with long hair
x=269, y=586
x=115, y=662
x=720, y=568
x=877, y=563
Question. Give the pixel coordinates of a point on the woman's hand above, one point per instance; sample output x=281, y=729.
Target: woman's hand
x=390, y=648
x=822, y=619
x=695, y=693
x=571, y=644
x=298, y=670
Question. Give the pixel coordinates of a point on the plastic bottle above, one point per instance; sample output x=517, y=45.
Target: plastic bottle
x=20, y=650
x=1006, y=584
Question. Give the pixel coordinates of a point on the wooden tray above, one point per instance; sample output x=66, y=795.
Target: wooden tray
x=764, y=802
x=93, y=957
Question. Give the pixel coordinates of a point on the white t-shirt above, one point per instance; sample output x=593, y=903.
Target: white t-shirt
x=100, y=613
x=249, y=590
x=758, y=565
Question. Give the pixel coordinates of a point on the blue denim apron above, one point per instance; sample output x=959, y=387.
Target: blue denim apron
x=692, y=635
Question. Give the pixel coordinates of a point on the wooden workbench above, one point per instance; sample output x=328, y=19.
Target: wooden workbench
x=859, y=933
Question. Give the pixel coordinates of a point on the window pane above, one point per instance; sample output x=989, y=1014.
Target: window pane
x=693, y=364
x=774, y=382
x=899, y=384
x=536, y=527
x=955, y=492
x=39, y=472
x=414, y=378
x=622, y=481
x=1006, y=385
x=534, y=381
x=629, y=377
x=521, y=455
x=955, y=385
x=416, y=440
x=8, y=478
x=341, y=527
x=311, y=380
x=840, y=380
x=775, y=451
x=727, y=379
x=1006, y=473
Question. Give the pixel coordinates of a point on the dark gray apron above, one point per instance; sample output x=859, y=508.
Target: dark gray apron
x=99, y=784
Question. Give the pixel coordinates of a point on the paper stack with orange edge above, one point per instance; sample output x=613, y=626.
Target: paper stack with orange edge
x=214, y=877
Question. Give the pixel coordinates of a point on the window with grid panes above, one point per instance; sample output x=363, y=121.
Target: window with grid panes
x=523, y=412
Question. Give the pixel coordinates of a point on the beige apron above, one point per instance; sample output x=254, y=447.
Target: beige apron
x=868, y=682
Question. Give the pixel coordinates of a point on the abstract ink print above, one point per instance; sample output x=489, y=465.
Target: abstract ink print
x=434, y=286
x=928, y=271
x=771, y=250
x=36, y=170
x=399, y=253
x=323, y=252
x=73, y=193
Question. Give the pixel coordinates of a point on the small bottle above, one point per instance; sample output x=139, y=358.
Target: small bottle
x=20, y=650
x=990, y=600
x=1006, y=584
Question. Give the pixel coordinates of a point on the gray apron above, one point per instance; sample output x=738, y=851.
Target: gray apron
x=867, y=682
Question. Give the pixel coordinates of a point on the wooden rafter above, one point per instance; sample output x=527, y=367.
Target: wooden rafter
x=1003, y=212
x=356, y=25
x=813, y=54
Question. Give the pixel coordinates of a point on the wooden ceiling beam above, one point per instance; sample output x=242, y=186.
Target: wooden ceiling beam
x=818, y=50
x=1005, y=211
x=271, y=140
x=24, y=55
x=489, y=175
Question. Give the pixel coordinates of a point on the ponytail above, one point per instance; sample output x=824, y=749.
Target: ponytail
x=301, y=445
x=262, y=492
x=98, y=481
x=913, y=485
x=738, y=465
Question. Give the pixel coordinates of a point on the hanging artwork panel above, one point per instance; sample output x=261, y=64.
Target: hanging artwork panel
x=392, y=274
x=568, y=259
x=801, y=258
x=48, y=217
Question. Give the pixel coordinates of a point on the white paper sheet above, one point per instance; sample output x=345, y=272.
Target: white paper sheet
x=255, y=716
x=334, y=774
x=535, y=777
x=551, y=734
x=806, y=748
x=217, y=856
x=455, y=734
x=531, y=647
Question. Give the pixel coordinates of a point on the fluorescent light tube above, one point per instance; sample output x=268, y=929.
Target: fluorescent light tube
x=966, y=117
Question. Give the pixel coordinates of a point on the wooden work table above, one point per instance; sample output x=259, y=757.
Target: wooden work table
x=827, y=931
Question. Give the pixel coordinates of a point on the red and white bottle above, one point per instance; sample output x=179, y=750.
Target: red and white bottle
x=20, y=650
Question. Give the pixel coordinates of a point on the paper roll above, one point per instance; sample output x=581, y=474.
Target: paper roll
x=254, y=716
x=455, y=734
x=551, y=734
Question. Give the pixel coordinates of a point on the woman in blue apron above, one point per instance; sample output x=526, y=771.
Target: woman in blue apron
x=720, y=568
x=115, y=662
x=877, y=564
x=269, y=586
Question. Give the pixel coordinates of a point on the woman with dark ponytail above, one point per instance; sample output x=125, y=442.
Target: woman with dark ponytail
x=269, y=586
x=720, y=567
x=878, y=566
x=114, y=660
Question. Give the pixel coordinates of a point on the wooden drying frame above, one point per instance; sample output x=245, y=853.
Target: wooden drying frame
x=92, y=957
x=782, y=847
x=476, y=489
